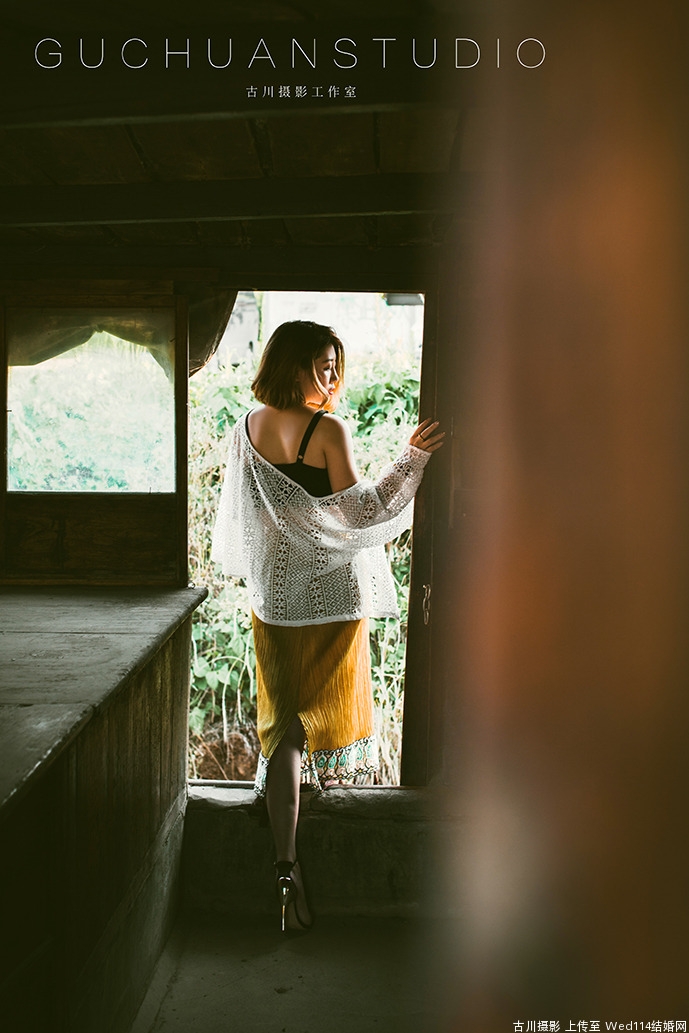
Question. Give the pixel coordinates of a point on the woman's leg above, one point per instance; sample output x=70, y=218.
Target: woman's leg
x=282, y=801
x=282, y=790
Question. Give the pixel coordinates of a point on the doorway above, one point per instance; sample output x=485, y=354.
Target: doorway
x=383, y=338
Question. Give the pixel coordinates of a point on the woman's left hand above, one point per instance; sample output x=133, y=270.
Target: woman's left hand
x=425, y=438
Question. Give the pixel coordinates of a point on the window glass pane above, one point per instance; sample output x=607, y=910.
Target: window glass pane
x=91, y=400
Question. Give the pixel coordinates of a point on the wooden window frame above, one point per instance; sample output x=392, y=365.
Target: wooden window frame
x=154, y=525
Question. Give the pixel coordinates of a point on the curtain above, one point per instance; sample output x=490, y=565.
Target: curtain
x=37, y=334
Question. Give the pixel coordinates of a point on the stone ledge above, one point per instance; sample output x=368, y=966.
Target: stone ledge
x=394, y=803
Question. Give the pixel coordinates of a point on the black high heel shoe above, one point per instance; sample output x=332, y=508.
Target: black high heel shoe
x=288, y=894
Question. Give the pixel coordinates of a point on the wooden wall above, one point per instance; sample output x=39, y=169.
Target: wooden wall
x=89, y=860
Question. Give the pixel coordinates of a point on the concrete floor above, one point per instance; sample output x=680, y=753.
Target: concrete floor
x=350, y=973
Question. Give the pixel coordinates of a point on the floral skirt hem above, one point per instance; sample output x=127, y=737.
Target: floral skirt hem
x=343, y=764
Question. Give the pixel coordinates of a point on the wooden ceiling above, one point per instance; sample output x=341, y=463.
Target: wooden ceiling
x=100, y=168
x=83, y=15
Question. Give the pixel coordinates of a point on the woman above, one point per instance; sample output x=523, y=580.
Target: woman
x=308, y=536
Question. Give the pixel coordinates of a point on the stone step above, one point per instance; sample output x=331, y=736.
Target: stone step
x=363, y=851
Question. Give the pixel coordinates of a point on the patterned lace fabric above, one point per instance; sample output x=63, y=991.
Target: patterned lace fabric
x=323, y=766
x=312, y=560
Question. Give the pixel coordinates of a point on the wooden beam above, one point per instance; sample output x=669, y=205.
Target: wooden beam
x=197, y=110
x=277, y=268
x=220, y=201
x=63, y=264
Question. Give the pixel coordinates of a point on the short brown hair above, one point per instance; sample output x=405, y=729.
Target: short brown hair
x=292, y=347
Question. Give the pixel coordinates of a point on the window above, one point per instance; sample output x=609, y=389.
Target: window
x=95, y=387
x=90, y=399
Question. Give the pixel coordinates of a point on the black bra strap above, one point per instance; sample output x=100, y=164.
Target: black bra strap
x=307, y=434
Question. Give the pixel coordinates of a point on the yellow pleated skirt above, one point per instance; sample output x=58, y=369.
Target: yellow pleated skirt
x=322, y=673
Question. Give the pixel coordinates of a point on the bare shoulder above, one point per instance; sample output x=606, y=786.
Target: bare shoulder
x=256, y=415
x=339, y=456
x=335, y=431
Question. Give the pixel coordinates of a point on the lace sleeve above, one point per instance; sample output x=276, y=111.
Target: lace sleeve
x=228, y=540
x=367, y=504
x=364, y=516
x=263, y=513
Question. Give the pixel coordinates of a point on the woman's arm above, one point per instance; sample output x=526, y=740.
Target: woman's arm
x=339, y=455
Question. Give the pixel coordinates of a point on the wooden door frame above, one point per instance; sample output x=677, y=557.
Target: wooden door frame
x=422, y=696
x=419, y=671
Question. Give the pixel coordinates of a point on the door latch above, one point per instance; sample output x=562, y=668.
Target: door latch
x=426, y=603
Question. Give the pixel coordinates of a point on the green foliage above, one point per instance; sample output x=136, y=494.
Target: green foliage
x=383, y=394
x=223, y=662
x=380, y=403
x=99, y=417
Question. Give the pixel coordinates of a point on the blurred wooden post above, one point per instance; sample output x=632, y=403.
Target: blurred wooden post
x=572, y=870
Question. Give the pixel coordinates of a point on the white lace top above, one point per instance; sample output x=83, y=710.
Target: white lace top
x=311, y=560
